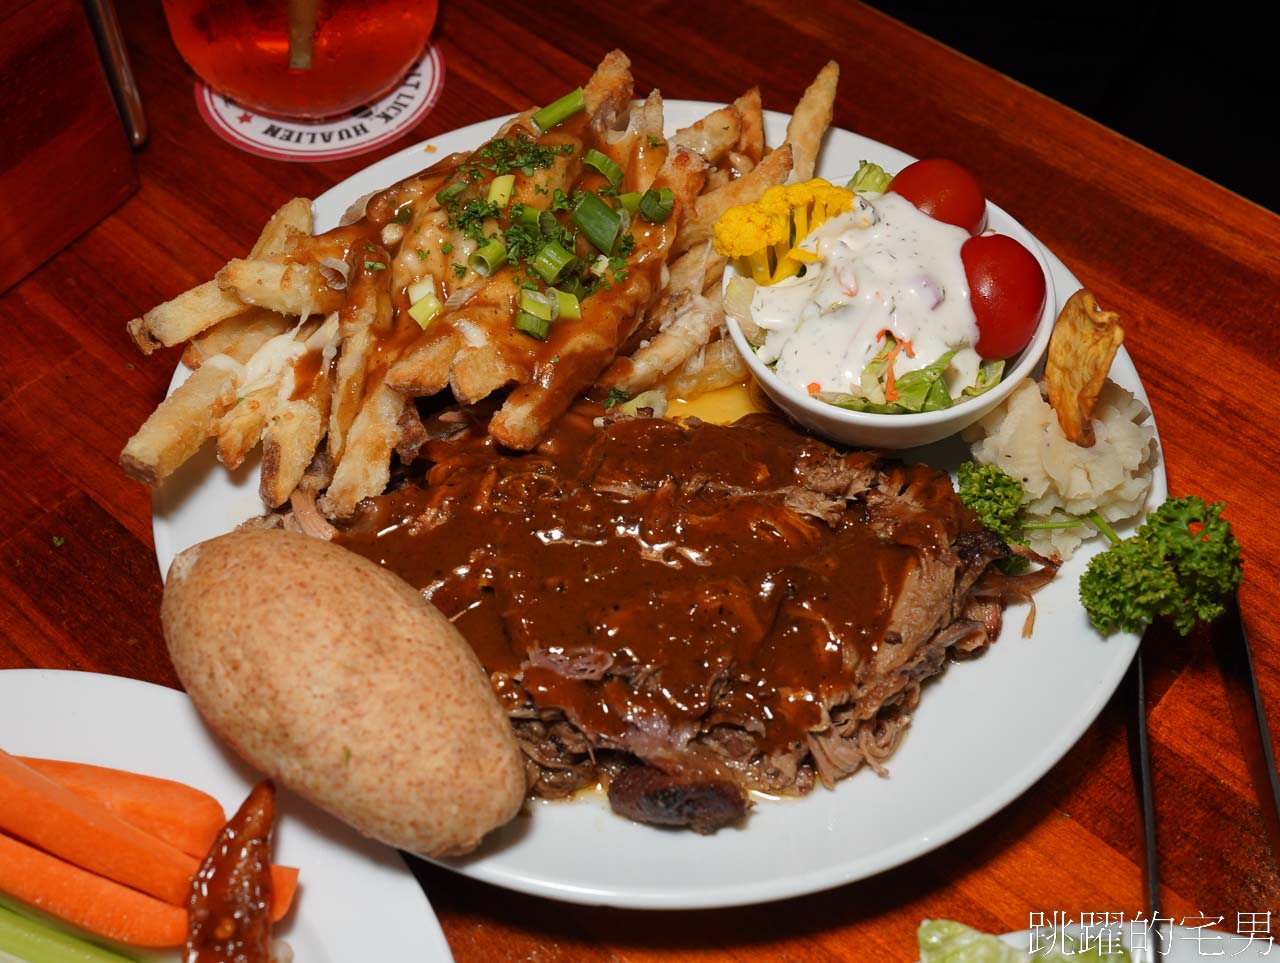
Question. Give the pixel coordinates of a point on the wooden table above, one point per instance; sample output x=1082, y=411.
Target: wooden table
x=1195, y=270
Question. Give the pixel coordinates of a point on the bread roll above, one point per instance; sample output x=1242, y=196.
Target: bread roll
x=336, y=678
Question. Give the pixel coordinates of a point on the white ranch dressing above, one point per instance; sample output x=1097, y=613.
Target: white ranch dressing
x=885, y=266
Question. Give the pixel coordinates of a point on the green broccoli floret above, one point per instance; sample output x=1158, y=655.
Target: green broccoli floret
x=1183, y=562
x=994, y=495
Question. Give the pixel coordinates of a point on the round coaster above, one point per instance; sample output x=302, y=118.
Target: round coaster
x=349, y=134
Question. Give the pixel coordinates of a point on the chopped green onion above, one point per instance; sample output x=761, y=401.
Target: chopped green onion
x=600, y=265
x=630, y=201
x=530, y=215
x=403, y=216
x=544, y=306
x=604, y=164
x=446, y=194
x=533, y=326
x=656, y=205
x=420, y=289
x=374, y=266
x=500, y=189
x=548, y=225
x=551, y=261
x=491, y=256
x=567, y=304
x=574, y=287
x=425, y=308
x=558, y=111
x=598, y=221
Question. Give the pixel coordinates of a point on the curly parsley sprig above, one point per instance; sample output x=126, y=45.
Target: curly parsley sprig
x=1182, y=563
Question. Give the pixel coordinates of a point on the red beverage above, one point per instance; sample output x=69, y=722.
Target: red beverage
x=339, y=55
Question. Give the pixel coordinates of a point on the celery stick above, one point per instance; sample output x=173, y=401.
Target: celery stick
x=35, y=942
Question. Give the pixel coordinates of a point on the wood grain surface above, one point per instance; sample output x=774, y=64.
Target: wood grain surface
x=64, y=160
x=1194, y=269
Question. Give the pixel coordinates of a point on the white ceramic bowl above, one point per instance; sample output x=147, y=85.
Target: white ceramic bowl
x=870, y=430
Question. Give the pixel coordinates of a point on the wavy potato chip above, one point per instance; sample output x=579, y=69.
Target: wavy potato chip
x=1084, y=342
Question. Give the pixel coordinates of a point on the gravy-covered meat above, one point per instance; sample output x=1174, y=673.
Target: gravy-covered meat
x=730, y=606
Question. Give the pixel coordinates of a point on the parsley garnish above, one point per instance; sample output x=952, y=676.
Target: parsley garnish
x=59, y=541
x=505, y=154
x=423, y=254
x=446, y=247
x=560, y=201
x=655, y=141
x=459, y=270
x=616, y=397
x=374, y=266
x=403, y=215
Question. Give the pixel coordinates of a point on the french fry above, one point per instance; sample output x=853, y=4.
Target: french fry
x=206, y=304
x=237, y=337
x=364, y=468
x=240, y=428
x=593, y=341
x=750, y=143
x=810, y=121
x=641, y=149
x=424, y=368
x=291, y=438
x=707, y=210
x=179, y=426
x=717, y=365
x=292, y=218
x=284, y=286
x=680, y=323
x=714, y=135
x=608, y=93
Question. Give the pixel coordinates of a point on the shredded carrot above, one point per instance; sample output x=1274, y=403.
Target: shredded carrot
x=176, y=813
x=890, y=392
x=814, y=387
x=87, y=900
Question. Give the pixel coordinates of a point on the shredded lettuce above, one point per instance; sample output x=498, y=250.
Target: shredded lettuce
x=989, y=375
x=924, y=389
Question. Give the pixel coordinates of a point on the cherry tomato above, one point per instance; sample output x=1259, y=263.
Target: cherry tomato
x=945, y=191
x=1006, y=290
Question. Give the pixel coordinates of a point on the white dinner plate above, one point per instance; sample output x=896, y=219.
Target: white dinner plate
x=356, y=899
x=983, y=734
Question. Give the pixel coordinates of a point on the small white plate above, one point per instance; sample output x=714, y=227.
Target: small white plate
x=356, y=899
x=983, y=734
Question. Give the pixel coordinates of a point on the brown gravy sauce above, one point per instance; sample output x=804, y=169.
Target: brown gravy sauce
x=648, y=547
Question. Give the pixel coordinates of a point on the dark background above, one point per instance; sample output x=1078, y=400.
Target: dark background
x=1196, y=83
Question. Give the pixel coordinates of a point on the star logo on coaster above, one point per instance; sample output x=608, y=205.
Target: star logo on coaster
x=346, y=135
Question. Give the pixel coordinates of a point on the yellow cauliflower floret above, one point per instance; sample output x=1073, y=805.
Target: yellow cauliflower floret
x=765, y=233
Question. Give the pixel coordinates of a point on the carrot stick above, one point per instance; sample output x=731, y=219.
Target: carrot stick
x=172, y=811
x=284, y=884
x=87, y=900
x=48, y=815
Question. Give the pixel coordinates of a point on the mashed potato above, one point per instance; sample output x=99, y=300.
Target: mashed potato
x=1022, y=436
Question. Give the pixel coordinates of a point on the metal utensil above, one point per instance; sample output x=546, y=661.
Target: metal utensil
x=1231, y=646
x=1135, y=697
